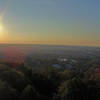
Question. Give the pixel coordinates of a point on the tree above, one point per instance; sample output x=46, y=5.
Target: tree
x=76, y=89
x=6, y=92
x=29, y=93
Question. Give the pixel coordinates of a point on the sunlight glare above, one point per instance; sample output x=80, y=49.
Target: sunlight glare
x=1, y=28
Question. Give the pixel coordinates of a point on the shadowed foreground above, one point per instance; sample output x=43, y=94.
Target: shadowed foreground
x=29, y=83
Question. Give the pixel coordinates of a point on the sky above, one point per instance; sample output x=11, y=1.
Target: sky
x=54, y=22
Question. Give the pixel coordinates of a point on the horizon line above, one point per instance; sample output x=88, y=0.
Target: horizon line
x=49, y=44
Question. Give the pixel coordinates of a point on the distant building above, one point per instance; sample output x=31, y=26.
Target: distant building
x=68, y=66
x=62, y=59
x=74, y=61
x=56, y=66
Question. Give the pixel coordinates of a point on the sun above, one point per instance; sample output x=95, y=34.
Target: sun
x=1, y=28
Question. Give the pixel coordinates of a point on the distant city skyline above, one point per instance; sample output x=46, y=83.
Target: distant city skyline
x=51, y=22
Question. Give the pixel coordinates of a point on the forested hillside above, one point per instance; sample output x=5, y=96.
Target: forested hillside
x=47, y=83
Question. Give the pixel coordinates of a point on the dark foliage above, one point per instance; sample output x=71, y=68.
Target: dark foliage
x=48, y=83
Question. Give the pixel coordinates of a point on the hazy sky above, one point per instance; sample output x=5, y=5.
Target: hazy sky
x=66, y=22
